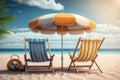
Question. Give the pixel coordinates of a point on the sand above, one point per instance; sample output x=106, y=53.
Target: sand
x=109, y=63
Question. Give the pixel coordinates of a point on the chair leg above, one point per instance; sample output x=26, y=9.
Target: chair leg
x=75, y=67
x=50, y=64
x=51, y=61
x=98, y=67
x=52, y=67
x=70, y=66
x=26, y=63
x=91, y=64
x=25, y=69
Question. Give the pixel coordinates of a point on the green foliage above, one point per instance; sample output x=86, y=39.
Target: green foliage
x=1, y=2
x=4, y=19
x=3, y=32
x=3, y=11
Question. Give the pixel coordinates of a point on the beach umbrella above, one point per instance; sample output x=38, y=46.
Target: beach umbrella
x=61, y=23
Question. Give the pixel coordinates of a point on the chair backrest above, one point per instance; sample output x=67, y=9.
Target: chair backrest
x=88, y=49
x=37, y=49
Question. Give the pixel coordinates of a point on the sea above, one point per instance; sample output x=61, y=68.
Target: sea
x=57, y=51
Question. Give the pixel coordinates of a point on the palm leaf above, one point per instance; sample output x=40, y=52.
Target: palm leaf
x=4, y=20
x=3, y=32
x=1, y=2
x=3, y=11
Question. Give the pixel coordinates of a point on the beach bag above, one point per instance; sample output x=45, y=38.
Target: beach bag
x=14, y=64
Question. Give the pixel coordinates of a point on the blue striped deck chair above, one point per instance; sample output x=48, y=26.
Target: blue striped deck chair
x=88, y=49
x=38, y=53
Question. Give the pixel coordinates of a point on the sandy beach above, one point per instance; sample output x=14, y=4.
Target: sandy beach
x=109, y=63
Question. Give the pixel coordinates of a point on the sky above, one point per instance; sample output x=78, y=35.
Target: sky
x=105, y=13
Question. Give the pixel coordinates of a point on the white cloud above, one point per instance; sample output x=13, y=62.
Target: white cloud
x=20, y=29
x=107, y=29
x=110, y=32
x=44, y=4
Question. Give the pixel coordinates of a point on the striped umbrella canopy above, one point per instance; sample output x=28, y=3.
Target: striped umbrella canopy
x=71, y=23
x=61, y=23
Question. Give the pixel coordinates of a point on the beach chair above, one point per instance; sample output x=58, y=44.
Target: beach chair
x=87, y=52
x=38, y=54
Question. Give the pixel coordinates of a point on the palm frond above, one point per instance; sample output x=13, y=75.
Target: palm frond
x=3, y=32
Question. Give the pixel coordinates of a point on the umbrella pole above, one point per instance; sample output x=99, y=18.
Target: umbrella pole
x=62, y=51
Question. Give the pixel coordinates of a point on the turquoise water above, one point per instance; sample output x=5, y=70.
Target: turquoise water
x=57, y=51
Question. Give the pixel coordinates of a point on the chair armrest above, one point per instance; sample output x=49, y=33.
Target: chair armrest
x=51, y=57
x=25, y=57
x=70, y=55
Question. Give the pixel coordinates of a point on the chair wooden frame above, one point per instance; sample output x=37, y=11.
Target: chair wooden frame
x=49, y=67
x=75, y=60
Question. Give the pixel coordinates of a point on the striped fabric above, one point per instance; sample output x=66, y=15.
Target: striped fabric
x=62, y=23
x=88, y=50
x=37, y=50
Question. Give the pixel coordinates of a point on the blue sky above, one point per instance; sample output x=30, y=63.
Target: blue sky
x=100, y=11
x=105, y=13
